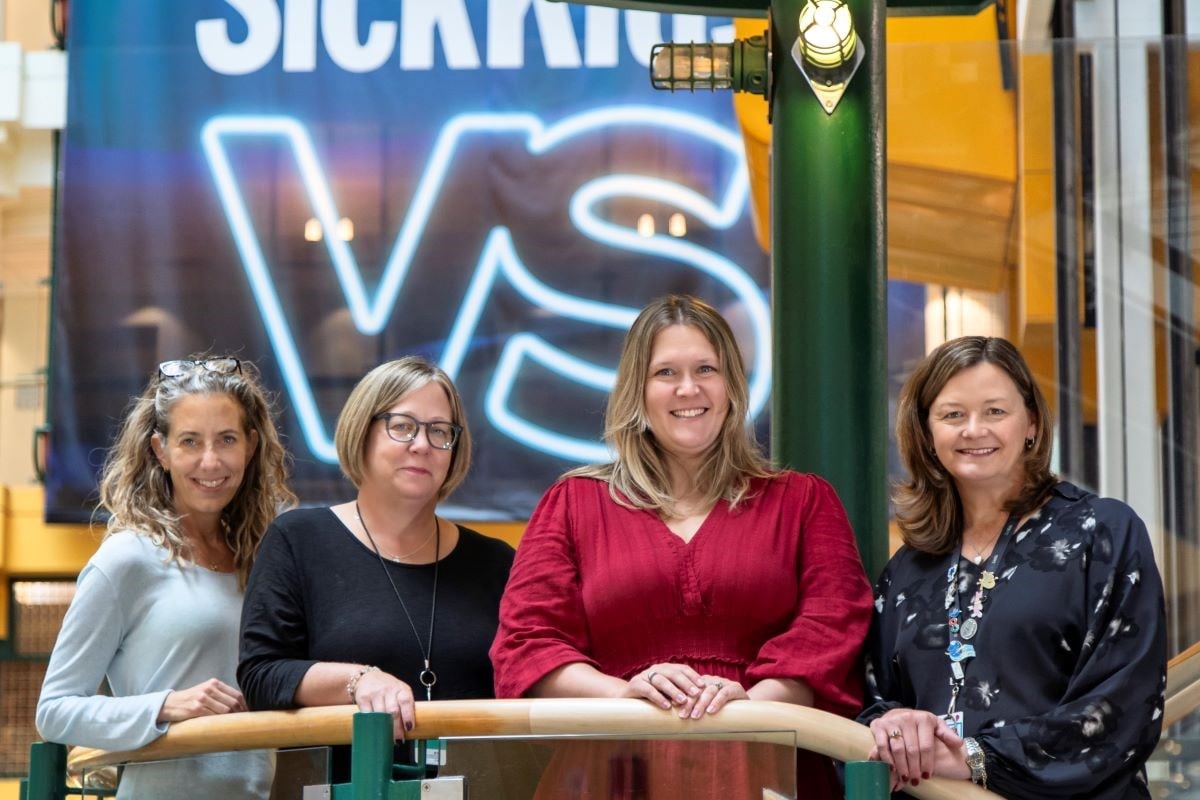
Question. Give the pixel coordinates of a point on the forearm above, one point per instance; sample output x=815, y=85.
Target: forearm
x=783, y=690
x=324, y=684
x=578, y=680
x=112, y=723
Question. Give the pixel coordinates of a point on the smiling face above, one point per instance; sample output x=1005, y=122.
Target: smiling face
x=979, y=424
x=410, y=470
x=205, y=451
x=685, y=398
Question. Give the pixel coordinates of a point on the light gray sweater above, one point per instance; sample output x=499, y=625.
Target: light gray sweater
x=150, y=626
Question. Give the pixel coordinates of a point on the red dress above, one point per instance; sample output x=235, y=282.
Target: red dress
x=773, y=589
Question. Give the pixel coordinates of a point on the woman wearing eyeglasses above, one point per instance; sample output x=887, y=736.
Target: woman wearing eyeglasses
x=378, y=601
x=195, y=475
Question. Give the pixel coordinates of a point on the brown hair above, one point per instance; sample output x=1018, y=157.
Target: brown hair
x=137, y=492
x=928, y=508
x=639, y=477
x=379, y=390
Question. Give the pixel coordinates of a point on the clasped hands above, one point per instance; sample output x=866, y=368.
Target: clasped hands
x=681, y=687
x=917, y=744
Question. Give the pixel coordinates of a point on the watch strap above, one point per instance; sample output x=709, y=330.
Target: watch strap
x=976, y=761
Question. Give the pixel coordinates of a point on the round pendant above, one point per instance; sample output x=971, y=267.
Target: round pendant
x=968, y=629
x=427, y=678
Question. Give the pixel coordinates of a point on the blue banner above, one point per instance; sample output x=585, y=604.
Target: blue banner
x=320, y=186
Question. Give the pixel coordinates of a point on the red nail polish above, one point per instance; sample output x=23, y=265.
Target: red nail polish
x=925, y=775
x=408, y=726
x=915, y=781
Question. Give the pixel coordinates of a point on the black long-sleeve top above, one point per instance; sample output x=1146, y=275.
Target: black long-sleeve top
x=1065, y=695
x=316, y=593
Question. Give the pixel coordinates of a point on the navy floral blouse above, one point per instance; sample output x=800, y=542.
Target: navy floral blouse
x=1065, y=694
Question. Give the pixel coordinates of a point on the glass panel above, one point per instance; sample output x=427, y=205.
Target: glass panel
x=577, y=767
x=631, y=769
x=1174, y=769
x=294, y=769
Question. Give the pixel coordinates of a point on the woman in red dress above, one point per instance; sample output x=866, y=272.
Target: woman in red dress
x=687, y=572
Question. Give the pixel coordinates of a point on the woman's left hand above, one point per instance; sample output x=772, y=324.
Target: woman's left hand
x=916, y=744
x=713, y=697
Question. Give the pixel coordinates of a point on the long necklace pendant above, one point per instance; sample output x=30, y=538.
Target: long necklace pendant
x=428, y=678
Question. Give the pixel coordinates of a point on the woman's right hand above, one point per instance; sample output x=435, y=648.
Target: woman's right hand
x=665, y=685
x=916, y=744
x=380, y=691
x=202, y=700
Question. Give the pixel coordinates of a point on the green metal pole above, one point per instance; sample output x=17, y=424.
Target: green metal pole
x=371, y=747
x=47, y=771
x=829, y=278
x=867, y=780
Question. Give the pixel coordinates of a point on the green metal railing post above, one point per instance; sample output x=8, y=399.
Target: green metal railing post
x=371, y=746
x=829, y=277
x=47, y=772
x=867, y=780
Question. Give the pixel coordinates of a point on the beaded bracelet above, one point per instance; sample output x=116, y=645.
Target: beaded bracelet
x=352, y=684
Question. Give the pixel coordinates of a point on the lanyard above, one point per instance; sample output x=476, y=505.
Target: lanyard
x=963, y=627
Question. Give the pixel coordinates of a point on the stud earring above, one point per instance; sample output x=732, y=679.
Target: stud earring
x=1029, y=444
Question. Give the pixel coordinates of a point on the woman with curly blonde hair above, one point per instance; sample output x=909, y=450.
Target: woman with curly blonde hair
x=196, y=474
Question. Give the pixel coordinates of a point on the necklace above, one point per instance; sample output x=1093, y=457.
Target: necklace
x=979, y=552
x=400, y=559
x=427, y=677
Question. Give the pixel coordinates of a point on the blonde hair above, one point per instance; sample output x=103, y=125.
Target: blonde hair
x=639, y=477
x=928, y=508
x=138, y=494
x=378, y=391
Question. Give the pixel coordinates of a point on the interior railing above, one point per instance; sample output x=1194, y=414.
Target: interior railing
x=1174, y=769
x=580, y=719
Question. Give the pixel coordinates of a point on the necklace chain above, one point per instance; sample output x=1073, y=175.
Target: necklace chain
x=427, y=677
x=399, y=559
x=979, y=551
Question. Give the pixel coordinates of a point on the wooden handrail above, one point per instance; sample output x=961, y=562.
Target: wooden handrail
x=1183, y=685
x=806, y=728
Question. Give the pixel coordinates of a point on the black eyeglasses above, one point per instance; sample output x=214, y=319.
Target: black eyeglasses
x=180, y=367
x=403, y=428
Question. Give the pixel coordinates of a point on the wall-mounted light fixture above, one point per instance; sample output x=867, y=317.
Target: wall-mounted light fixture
x=827, y=50
x=739, y=66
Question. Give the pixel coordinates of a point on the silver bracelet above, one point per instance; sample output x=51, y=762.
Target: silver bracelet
x=976, y=761
x=352, y=684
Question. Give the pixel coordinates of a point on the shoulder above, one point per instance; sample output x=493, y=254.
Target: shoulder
x=125, y=553
x=1087, y=512
x=580, y=485
x=300, y=523
x=575, y=493
x=792, y=481
x=794, y=487
x=301, y=530
x=486, y=547
x=907, y=565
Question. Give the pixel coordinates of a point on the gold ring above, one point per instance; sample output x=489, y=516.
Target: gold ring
x=896, y=734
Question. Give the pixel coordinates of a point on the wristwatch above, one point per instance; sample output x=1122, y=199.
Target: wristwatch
x=976, y=761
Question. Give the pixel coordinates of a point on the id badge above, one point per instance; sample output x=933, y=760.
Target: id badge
x=954, y=722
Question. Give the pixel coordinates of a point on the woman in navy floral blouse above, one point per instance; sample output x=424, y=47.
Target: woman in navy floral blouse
x=1018, y=638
